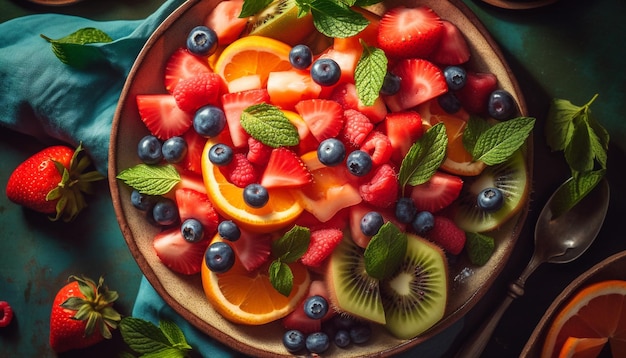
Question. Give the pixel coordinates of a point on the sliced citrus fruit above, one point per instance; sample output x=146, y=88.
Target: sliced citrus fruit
x=249, y=298
x=458, y=160
x=252, y=55
x=582, y=347
x=598, y=311
x=281, y=210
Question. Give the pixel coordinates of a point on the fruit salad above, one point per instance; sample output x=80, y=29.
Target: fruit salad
x=325, y=166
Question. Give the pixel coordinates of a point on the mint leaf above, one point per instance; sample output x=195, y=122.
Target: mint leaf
x=74, y=49
x=385, y=251
x=150, y=179
x=559, y=126
x=174, y=334
x=366, y=2
x=475, y=127
x=281, y=277
x=479, y=247
x=335, y=20
x=147, y=339
x=252, y=7
x=499, y=142
x=292, y=245
x=369, y=74
x=269, y=125
x=574, y=190
x=424, y=157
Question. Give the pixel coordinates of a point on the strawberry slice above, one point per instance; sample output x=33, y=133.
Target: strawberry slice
x=285, y=169
x=195, y=205
x=345, y=94
x=402, y=129
x=322, y=244
x=258, y=152
x=197, y=91
x=475, y=94
x=452, y=49
x=195, y=146
x=323, y=117
x=437, y=193
x=382, y=189
x=234, y=104
x=409, y=32
x=177, y=253
x=447, y=235
x=252, y=249
x=182, y=64
x=356, y=213
x=421, y=81
x=225, y=21
x=297, y=319
x=160, y=113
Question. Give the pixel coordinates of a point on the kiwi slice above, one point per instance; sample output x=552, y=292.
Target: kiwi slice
x=280, y=20
x=510, y=177
x=415, y=297
x=351, y=289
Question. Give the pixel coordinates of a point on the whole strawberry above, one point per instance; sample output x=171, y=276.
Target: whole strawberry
x=51, y=182
x=82, y=314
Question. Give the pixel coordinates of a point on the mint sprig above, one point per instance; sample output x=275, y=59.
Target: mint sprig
x=424, y=157
x=145, y=338
x=252, y=7
x=150, y=179
x=269, y=125
x=369, y=74
x=495, y=144
x=383, y=254
x=74, y=49
x=333, y=18
x=287, y=249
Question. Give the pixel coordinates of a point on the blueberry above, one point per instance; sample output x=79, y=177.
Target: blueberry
x=501, y=105
x=405, y=210
x=221, y=154
x=342, y=338
x=331, y=152
x=391, y=84
x=219, y=257
x=301, y=57
x=229, y=230
x=149, y=150
x=371, y=223
x=293, y=340
x=174, y=149
x=325, y=72
x=315, y=307
x=255, y=195
x=192, y=230
x=209, y=121
x=423, y=222
x=343, y=321
x=317, y=342
x=449, y=102
x=141, y=201
x=202, y=41
x=359, y=163
x=361, y=333
x=455, y=76
x=165, y=212
x=490, y=199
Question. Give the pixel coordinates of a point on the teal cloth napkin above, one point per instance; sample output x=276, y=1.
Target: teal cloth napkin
x=50, y=101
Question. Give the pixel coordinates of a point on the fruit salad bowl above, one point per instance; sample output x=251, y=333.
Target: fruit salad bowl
x=466, y=282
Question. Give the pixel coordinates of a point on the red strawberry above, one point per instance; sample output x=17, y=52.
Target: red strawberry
x=195, y=205
x=409, y=32
x=447, y=235
x=6, y=314
x=78, y=303
x=475, y=94
x=382, y=189
x=322, y=244
x=197, y=91
x=195, y=147
x=354, y=219
x=183, y=64
x=234, y=104
x=402, y=129
x=258, y=153
x=161, y=115
x=51, y=182
x=421, y=81
x=345, y=94
x=177, y=253
x=323, y=117
x=285, y=169
x=356, y=127
x=240, y=171
x=225, y=21
x=437, y=193
x=191, y=180
x=378, y=146
x=252, y=249
x=452, y=49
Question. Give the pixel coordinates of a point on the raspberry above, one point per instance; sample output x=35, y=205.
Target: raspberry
x=6, y=314
x=240, y=171
x=382, y=190
x=447, y=235
x=356, y=127
x=258, y=153
x=322, y=244
x=378, y=146
x=197, y=91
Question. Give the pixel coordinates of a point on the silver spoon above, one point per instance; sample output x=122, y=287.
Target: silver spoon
x=557, y=240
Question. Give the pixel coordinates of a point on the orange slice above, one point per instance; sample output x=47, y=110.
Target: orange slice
x=249, y=298
x=252, y=55
x=458, y=160
x=281, y=210
x=582, y=347
x=597, y=312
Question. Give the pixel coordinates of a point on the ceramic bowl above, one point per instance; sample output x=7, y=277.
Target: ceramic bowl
x=184, y=293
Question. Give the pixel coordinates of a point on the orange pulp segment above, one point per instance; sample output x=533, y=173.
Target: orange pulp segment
x=597, y=311
x=582, y=347
x=253, y=55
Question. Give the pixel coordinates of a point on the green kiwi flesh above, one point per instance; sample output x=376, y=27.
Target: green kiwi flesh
x=352, y=290
x=510, y=177
x=280, y=20
x=415, y=297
